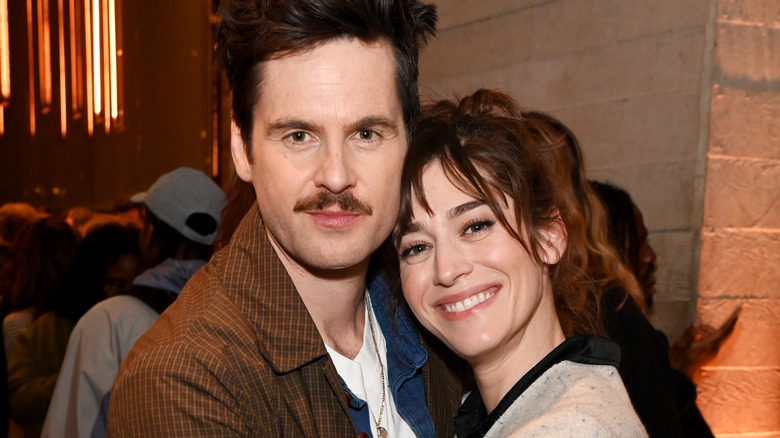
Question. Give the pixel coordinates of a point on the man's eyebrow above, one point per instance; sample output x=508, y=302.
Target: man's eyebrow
x=278, y=126
x=463, y=208
x=373, y=122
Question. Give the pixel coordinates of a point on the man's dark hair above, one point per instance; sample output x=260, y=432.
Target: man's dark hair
x=254, y=31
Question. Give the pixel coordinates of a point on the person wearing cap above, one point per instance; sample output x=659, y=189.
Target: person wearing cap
x=181, y=212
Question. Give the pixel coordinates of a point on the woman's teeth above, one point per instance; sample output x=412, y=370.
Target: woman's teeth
x=468, y=303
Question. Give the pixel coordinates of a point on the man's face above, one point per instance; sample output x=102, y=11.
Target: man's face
x=328, y=145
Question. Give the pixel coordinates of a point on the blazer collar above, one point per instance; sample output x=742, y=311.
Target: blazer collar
x=259, y=284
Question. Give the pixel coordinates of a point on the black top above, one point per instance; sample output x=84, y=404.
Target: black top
x=473, y=421
x=664, y=398
x=644, y=363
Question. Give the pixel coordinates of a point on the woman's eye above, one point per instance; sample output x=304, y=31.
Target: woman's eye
x=413, y=250
x=478, y=226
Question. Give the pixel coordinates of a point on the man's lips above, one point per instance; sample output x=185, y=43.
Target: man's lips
x=467, y=299
x=333, y=218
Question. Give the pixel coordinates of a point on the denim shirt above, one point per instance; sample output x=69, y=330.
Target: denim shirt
x=405, y=357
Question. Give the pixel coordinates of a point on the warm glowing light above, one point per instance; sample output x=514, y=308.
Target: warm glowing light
x=88, y=52
x=44, y=54
x=94, y=53
x=76, y=60
x=63, y=90
x=96, y=79
x=106, y=70
x=2, y=121
x=112, y=53
x=5, y=59
x=30, y=67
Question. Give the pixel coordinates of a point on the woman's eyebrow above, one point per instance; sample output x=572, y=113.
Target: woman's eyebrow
x=463, y=208
x=454, y=212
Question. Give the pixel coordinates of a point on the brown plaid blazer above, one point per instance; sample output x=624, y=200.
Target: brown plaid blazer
x=237, y=354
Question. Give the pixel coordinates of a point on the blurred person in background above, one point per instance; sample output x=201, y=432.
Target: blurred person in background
x=699, y=344
x=181, y=213
x=13, y=217
x=105, y=263
x=128, y=212
x=39, y=259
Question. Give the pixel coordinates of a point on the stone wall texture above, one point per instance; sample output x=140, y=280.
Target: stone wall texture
x=677, y=101
x=739, y=392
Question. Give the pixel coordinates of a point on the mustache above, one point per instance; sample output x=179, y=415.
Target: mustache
x=324, y=199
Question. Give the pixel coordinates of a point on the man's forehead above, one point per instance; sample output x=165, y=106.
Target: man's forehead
x=378, y=55
x=348, y=79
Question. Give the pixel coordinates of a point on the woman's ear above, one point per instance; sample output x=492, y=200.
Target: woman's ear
x=553, y=240
x=240, y=157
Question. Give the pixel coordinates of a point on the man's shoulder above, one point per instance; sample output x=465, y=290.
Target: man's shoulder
x=201, y=316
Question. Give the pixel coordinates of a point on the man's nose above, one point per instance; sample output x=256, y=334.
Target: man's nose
x=335, y=171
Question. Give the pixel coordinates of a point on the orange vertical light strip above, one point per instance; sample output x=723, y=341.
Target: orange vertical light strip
x=2, y=121
x=31, y=66
x=5, y=58
x=63, y=88
x=44, y=55
x=112, y=58
x=104, y=65
x=118, y=56
x=97, y=98
x=88, y=69
x=76, y=61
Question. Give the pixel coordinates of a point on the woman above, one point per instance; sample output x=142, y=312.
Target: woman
x=487, y=266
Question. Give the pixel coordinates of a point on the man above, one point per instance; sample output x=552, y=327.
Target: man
x=180, y=213
x=290, y=330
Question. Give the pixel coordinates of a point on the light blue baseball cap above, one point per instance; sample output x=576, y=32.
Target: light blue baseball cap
x=179, y=196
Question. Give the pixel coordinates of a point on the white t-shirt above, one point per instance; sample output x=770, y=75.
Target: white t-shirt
x=362, y=376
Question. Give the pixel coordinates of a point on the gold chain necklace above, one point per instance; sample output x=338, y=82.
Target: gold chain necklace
x=381, y=431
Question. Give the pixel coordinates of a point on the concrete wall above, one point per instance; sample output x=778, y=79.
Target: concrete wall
x=679, y=103
x=739, y=391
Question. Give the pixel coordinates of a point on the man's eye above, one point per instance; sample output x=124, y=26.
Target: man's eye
x=299, y=136
x=367, y=134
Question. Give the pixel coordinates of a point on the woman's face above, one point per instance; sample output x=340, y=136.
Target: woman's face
x=469, y=281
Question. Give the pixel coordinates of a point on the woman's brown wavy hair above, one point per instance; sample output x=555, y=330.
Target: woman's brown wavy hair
x=584, y=215
x=489, y=149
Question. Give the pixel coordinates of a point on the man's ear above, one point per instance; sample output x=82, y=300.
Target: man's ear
x=553, y=240
x=239, y=153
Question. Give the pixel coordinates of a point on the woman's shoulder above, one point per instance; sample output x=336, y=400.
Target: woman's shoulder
x=589, y=400
x=592, y=399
